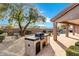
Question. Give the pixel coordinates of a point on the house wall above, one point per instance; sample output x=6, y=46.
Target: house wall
x=71, y=15
x=71, y=27
x=77, y=29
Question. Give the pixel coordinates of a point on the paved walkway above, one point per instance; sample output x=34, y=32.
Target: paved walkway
x=12, y=47
x=58, y=48
x=47, y=51
x=8, y=41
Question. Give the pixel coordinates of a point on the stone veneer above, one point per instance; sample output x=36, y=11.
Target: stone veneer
x=31, y=45
x=31, y=50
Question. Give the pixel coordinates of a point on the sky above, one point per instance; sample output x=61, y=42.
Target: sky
x=49, y=10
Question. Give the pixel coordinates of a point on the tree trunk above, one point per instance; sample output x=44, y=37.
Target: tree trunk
x=24, y=31
x=21, y=33
x=21, y=30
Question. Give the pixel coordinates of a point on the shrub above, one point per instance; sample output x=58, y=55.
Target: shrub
x=1, y=31
x=44, y=31
x=16, y=35
x=77, y=44
x=72, y=51
x=28, y=32
x=1, y=38
x=10, y=33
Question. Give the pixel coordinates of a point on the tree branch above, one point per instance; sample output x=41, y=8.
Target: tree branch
x=20, y=25
x=19, y=22
x=26, y=26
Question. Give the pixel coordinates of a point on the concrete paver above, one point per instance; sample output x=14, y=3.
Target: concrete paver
x=8, y=41
x=59, y=47
x=55, y=48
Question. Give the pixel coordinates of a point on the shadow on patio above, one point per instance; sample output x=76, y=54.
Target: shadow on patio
x=61, y=45
x=47, y=51
x=73, y=38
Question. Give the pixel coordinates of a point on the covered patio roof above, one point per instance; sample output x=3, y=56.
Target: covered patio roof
x=74, y=22
x=68, y=15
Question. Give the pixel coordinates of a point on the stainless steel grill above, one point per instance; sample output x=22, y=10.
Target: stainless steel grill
x=40, y=35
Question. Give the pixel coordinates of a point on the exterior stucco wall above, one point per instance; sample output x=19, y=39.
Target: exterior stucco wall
x=77, y=29
x=71, y=15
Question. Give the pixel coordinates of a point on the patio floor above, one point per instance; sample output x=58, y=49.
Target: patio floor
x=57, y=48
x=8, y=41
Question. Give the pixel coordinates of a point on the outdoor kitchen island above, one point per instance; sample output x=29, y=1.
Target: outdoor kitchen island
x=34, y=43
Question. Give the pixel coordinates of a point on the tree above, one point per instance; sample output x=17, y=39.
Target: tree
x=32, y=15
x=3, y=9
x=9, y=27
x=20, y=13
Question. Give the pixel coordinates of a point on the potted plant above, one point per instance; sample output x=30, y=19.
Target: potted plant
x=73, y=50
x=77, y=44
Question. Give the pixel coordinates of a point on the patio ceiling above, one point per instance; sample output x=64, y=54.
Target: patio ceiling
x=74, y=22
x=69, y=15
x=66, y=11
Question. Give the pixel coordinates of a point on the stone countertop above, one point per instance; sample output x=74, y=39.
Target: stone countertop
x=46, y=34
x=31, y=37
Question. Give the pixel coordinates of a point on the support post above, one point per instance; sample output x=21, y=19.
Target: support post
x=55, y=31
x=73, y=30
x=67, y=30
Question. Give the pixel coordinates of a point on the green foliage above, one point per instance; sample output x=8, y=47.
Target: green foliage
x=77, y=44
x=22, y=14
x=44, y=31
x=33, y=16
x=1, y=38
x=9, y=26
x=10, y=33
x=72, y=51
x=17, y=16
x=1, y=31
x=28, y=32
x=3, y=7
